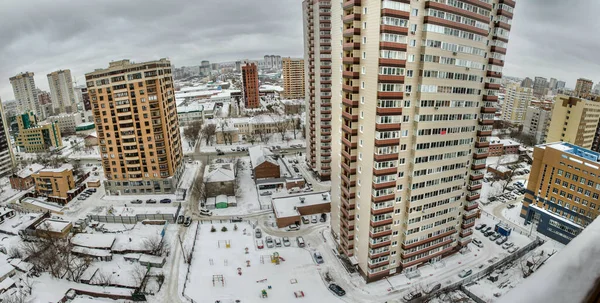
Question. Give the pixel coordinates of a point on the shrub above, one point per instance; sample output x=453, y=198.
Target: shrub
x=212, y=229
x=224, y=228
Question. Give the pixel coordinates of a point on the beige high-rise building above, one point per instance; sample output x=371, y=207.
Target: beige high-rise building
x=583, y=87
x=293, y=78
x=516, y=101
x=25, y=92
x=317, y=74
x=61, y=92
x=574, y=120
x=413, y=91
x=138, y=131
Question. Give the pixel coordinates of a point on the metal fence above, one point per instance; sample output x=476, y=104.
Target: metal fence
x=187, y=275
x=476, y=276
x=135, y=218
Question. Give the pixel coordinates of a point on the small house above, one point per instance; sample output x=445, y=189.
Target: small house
x=219, y=179
x=263, y=166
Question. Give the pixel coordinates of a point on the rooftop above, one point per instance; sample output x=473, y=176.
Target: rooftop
x=288, y=206
x=94, y=240
x=574, y=150
x=62, y=168
x=220, y=172
x=29, y=170
x=258, y=156
x=53, y=225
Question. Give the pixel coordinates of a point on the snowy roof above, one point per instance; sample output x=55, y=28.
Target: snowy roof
x=57, y=170
x=567, y=276
x=288, y=206
x=94, y=240
x=574, y=150
x=85, y=124
x=509, y=142
x=152, y=259
x=5, y=269
x=42, y=204
x=30, y=169
x=500, y=168
x=6, y=284
x=270, y=88
x=53, y=225
x=220, y=172
x=21, y=265
x=258, y=157
x=91, y=251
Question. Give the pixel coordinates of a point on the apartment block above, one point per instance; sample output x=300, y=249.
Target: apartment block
x=317, y=74
x=67, y=123
x=136, y=122
x=250, y=86
x=583, y=88
x=536, y=122
x=25, y=91
x=574, y=120
x=562, y=191
x=7, y=160
x=540, y=86
x=61, y=91
x=54, y=182
x=516, y=101
x=273, y=61
x=413, y=111
x=37, y=137
x=293, y=78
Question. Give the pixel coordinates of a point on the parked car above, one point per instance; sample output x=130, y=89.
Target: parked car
x=277, y=242
x=292, y=227
x=165, y=201
x=513, y=249
x=188, y=221
x=477, y=243
x=465, y=272
x=314, y=219
x=501, y=240
x=494, y=237
x=136, y=201
x=205, y=212
x=488, y=233
x=91, y=190
x=507, y=245
x=336, y=289
x=266, y=193
x=180, y=219
x=81, y=198
x=480, y=226
x=220, y=153
x=286, y=242
x=300, y=241
x=236, y=219
x=269, y=241
x=509, y=206
x=296, y=169
x=412, y=296
x=318, y=257
x=260, y=244
x=258, y=233
x=305, y=220
x=150, y=201
x=487, y=229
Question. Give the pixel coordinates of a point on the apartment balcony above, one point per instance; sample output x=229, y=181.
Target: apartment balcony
x=493, y=74
x=377, y=255
x=503, y=25
x=389, y=197
x=427, y=258
x=510, y=3
x=380, y=234
x=386, y=157
x=484, y=133
x=349, y=102
x=463, y=12
x=129, y=143
x=349, y=32
x=378, y=264
x=350, y=116
x=387, y=126
x=380, y=244
x=347, y=143
x=384, y=184
x=505, y=13
x=350, y=46
x=456, y=25
x=351, y=18
x=385, y=142
x=465, y=233
x=486, y=122
x=324, y=4
x=350, y=89
x=496, y=62
x=392, y=46
x=471, y=214
x=473, y=177
x=497, y=49
x=347, y=225
x=382, y=222
x=475, y=187
x=471, y=206
x=389, y=110
x=388, y=12
x=392, y=62
x=351, y=60
x=383, y=210
x=391, y=29
x=348, y=156
x=351, y=3
x=348, y=214
x=492, y=85
x=473, y=197
x=349, y=130
x=405, y=255
x=419, y=243
x=350, y=74
x=390, y=78
x=347, y=180
x=347, y=193
x=385, y=171
x=125, y=121
x=347, y=204
x=490, y=98
x=348, y=169
x=467, y=225
x=390, y=95
x=482, y=144
x=345, y=233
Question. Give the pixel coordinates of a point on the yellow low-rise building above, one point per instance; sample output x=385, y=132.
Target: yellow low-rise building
x=34, y=137
x=55, y=183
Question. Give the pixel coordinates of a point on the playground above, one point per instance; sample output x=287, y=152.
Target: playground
x=227, y=266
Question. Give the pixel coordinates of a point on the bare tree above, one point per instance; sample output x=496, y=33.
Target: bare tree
x=297, y=127
x=262, y=135
x=208, y=133
x=102, y=278
x=138, y=273
x=156, y=245
x=199, y=190
x=192, y=131
x=281, y=126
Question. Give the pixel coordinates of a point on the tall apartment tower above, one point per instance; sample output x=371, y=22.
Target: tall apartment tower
x=25, y=92
x=61, y=91
x=574, y=120
x=317, y=95
x=536, y=122
x=293, y=78
x=6, y=153
x=540, y=86
x=250, y=87
x=414, y=88
x=583, y=87
x=136, y=122
x=516, y=101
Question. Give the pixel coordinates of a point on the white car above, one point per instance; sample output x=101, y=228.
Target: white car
x=477, y=243
x=513, y=249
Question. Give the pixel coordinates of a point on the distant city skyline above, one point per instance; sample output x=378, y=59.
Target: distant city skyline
x=63, y=35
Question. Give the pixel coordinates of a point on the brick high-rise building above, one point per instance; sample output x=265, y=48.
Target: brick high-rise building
x=583, y=88
x=25, y=92
x=317, y=74
x=61, y=90
x=250, y=87
x=293, y=78
x=138, y=131
x=413, y=95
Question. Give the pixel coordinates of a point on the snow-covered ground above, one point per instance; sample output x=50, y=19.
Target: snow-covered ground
x=246, y=195
x=275, y=139
x=92, y=152
x=296, y=272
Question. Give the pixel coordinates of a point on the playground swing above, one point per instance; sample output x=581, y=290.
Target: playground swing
x=224, y=243
x=218, y=278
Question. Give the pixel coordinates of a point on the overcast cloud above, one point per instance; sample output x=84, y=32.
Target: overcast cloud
x=550, y=38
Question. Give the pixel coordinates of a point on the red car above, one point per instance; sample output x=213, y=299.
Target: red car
x=260, y=244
